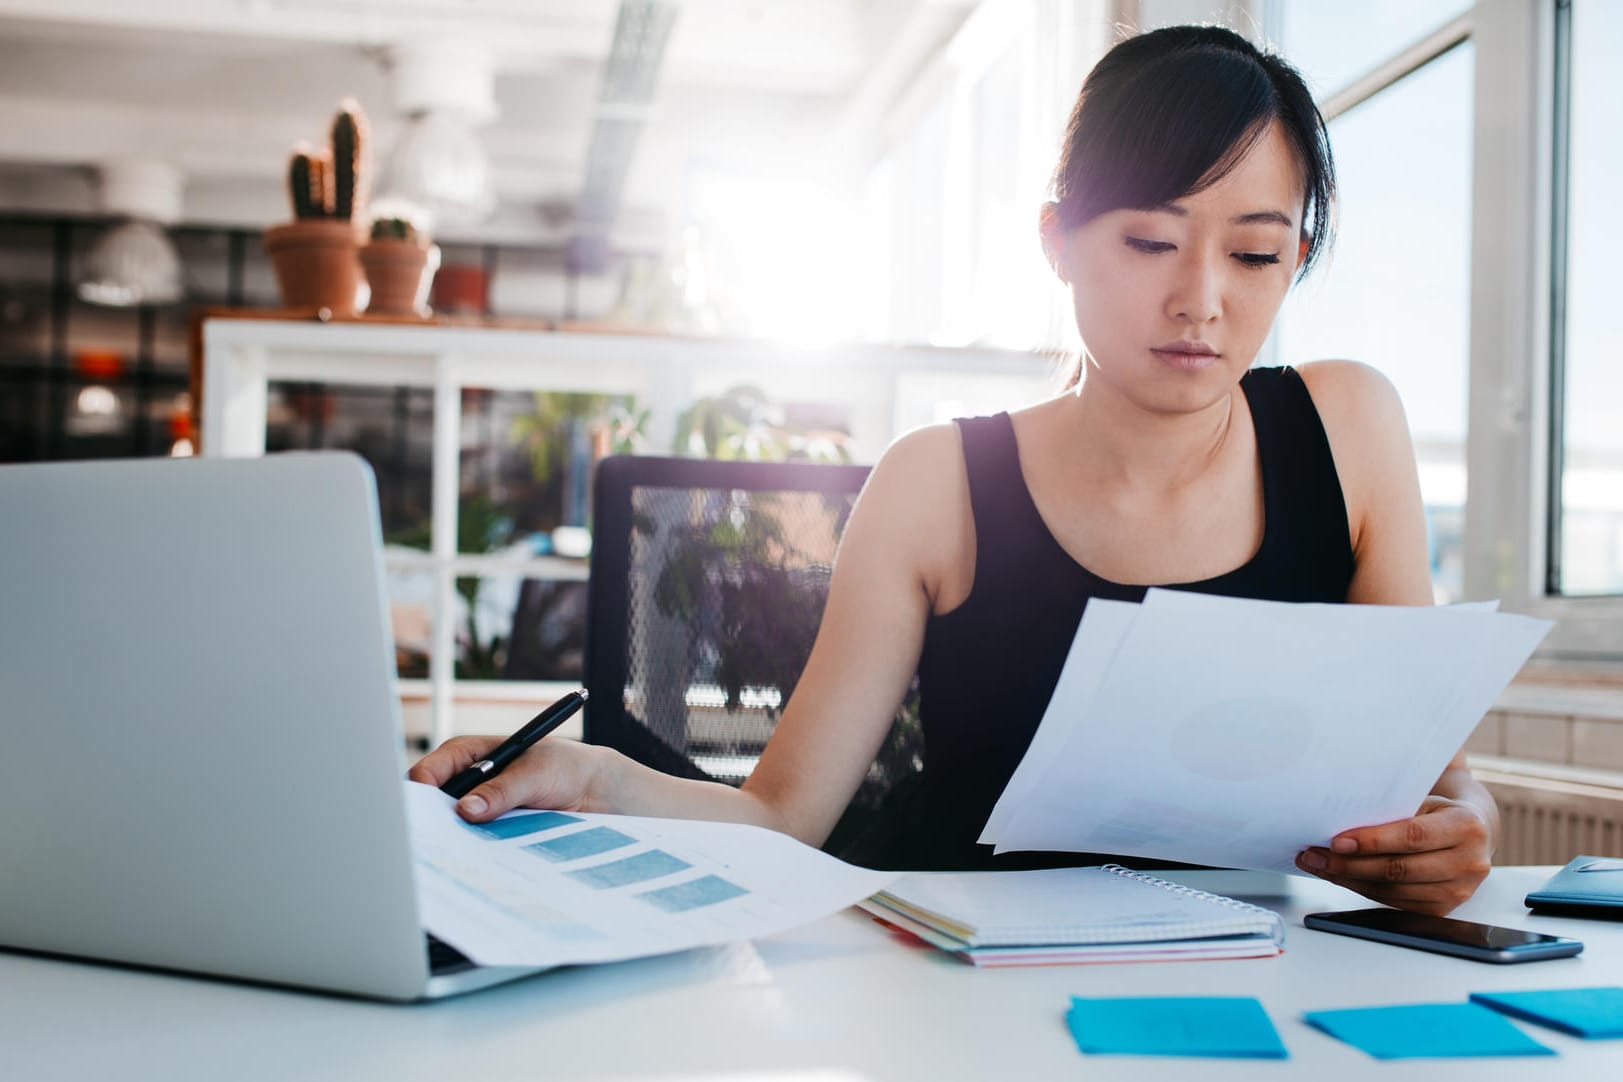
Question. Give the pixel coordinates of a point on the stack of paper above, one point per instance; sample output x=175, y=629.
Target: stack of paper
x=1063, y=915
x=1237, y=733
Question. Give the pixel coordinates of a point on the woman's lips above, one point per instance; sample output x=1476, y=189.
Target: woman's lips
x=1187, y=359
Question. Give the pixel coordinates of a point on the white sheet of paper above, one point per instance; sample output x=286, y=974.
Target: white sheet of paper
x=1104, y=624
x=1236, y=732
x=552, y=888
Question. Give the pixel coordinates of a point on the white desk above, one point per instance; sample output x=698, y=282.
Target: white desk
x=836, y=1001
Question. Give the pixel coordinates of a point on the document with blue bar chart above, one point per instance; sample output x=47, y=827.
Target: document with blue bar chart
x=562, y=888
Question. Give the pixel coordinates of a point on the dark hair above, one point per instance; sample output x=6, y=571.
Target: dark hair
x=1171, y=112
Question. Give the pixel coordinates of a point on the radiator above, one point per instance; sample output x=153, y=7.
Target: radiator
x=1549, y=817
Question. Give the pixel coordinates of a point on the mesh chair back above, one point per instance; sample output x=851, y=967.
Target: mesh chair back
x=707, y=585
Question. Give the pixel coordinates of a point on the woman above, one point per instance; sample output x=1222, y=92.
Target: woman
x=1195, y=184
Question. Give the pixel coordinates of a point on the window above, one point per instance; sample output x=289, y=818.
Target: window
x=1333, y=44
x=1586, y=543
x=1541, y=515
x=965, y=166
x=1395, y=292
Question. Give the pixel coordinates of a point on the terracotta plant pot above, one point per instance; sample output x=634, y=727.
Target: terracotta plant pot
x=461, y=289
x=399, y=272
x=316, y=263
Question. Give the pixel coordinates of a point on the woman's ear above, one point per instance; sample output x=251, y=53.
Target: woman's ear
x=1053, y=238
x=1301, y=251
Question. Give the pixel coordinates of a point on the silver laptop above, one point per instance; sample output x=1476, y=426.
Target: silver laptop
x=200, y=738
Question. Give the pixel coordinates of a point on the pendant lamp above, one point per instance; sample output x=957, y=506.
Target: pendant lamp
x=134, y=262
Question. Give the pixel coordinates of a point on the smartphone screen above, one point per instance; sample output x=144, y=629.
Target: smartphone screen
x=1486, y=942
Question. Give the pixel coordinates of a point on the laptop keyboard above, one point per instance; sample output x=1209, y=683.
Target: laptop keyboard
x=444, y=959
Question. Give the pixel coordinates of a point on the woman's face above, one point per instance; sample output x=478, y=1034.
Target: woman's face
x=1174, y=303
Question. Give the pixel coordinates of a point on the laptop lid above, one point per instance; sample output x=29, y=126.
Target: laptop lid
x=202, y=742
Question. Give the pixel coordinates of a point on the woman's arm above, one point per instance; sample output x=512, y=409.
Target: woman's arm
x=1436, y=859
x=906, y=531
x=899, y=537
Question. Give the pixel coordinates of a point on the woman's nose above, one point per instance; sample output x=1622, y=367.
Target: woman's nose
x=1197, y=291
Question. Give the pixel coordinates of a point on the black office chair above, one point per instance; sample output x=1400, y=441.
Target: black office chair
x=707, y=585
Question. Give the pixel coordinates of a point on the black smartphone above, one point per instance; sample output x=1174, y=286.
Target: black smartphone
x=1445, y=935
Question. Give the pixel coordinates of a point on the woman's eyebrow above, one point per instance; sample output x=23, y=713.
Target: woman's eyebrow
x=1256, y=217
x=1263, y=217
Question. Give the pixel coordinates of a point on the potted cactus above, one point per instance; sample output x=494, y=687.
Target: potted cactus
x=315, y=255
x=400, y=262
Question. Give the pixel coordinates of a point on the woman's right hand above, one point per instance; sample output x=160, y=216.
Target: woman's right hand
x=561, y=774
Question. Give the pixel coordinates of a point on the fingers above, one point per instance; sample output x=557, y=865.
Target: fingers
x=1437, y=899
x=1438, y=866
x=522, y=784
x=1416, y=834
x=1428, y=863
x=1440, y=824
x=437, y=766
x=553, y=774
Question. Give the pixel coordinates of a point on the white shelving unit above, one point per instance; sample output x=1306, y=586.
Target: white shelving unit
x=883, y=390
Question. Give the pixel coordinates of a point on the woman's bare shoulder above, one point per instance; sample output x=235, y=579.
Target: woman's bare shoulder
x=1345, y=380
x=915, y=507
x=1359, y=406
x=925, y=448
x=920, y=473
x=1369, y=440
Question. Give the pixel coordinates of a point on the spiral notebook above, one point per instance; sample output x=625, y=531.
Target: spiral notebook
x=1066, y=915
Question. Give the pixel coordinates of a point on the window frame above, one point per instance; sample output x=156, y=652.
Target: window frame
x=1516, y=300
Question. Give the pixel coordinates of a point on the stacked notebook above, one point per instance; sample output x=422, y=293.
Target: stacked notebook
x=1062, y=916
x=1586, y=887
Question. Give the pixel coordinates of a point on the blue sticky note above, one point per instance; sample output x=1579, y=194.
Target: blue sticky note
x=1584, y=1012
x=1232, y=1027
x=1427, y=1030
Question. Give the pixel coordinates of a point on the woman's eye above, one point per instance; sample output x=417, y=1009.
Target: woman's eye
x=1257, y=259
x=1139, y=244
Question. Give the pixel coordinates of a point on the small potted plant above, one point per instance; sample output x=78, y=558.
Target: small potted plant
x=315, y=255
x=400, y=262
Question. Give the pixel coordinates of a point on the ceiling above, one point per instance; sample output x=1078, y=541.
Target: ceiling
x=222, y=89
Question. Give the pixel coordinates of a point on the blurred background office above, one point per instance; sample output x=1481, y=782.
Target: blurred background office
x=783, y=229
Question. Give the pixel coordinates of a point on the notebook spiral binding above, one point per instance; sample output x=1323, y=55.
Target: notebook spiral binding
x=1203, y=895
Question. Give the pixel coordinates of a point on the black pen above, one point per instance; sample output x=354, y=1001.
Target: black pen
x=511, y=748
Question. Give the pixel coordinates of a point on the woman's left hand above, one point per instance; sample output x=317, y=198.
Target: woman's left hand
x=1429, y=863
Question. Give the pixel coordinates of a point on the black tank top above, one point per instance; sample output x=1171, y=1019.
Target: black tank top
x=990, y=665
